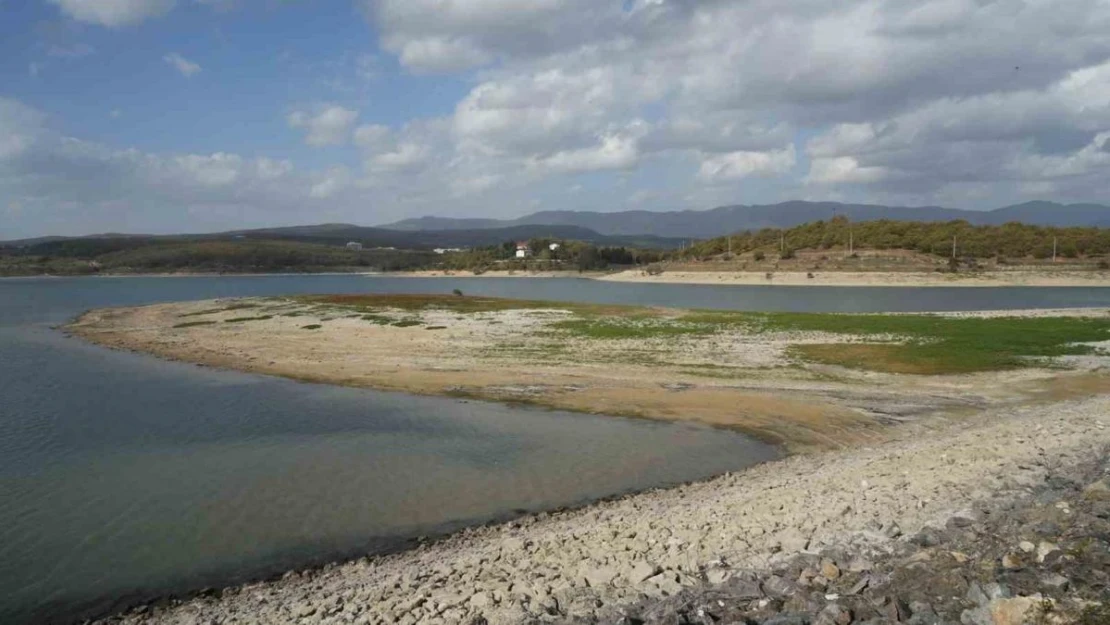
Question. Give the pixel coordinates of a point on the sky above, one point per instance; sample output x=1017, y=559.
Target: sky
x=167, y=116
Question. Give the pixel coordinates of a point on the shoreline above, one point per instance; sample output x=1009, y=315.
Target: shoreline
x=994, y=279
x=593, y=561
x=838, y=279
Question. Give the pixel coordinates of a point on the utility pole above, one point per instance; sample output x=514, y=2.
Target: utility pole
x=1055, y=246
x=782, y=244
x=851, y=241
x=953, y=246
x=730, y=246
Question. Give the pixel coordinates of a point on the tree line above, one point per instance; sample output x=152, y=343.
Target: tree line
x=1012, y=240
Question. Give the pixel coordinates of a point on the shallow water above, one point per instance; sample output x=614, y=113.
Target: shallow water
x=122, y=475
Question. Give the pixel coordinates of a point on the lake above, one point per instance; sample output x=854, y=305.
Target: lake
x=122, y=476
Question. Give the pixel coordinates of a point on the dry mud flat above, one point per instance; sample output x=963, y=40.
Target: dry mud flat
x=611, y=557
x=872, y=278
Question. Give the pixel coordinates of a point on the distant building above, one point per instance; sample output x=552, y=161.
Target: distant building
x=522, y=250
x=354, y=246
x=444, y=250
x=553, y=247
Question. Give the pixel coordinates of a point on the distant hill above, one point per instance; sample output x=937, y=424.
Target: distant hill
x=339, y=234
x=711, y=223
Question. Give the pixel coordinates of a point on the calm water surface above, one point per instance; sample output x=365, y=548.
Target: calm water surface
x=122, y=475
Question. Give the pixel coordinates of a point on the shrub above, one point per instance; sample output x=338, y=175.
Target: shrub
x=312, y=326
x=788, y=253
x=654, y=270
x=1103, y=265
x=810, y=275
x=457, y=292
x=759, y=256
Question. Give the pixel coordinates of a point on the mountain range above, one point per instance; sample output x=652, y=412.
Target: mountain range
x=339, y=234
x=736, y=218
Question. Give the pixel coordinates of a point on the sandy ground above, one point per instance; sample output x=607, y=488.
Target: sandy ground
x=735, y=379
x=575, y=564
x=875, y=278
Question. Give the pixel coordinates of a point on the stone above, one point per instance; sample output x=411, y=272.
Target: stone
x=897, y=610
x=1027, y=546
x=718, y=576
x=1055, y=581
x=600, y=577
x=829, y=569
x=1011, y=561
x=1097, y=491
x=745, y=590
x=1044, y=548
x=833, y=614
x=1012, y=611
x=859, y=564
x=776, y=586
x=480, y=600
x=859, y=586
x=642, y=571
x=665, y=585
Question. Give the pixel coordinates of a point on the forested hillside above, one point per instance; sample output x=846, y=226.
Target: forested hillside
x=1012, y=240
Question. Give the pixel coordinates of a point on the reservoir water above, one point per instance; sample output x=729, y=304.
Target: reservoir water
x=122, y=476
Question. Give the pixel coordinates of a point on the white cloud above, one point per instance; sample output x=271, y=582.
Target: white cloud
x=842, y=169
x=72, y=186
x=330, y=183
x=331, y=125
x=182, y=64
x=113, y=13
x=611, y=152
x=405, y=157
x=736, y=165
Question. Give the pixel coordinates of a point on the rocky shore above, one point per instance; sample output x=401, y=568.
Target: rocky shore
x=995, y=519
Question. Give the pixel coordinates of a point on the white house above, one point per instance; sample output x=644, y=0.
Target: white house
x=354, y=246
x=522, y=250
x=553, y=247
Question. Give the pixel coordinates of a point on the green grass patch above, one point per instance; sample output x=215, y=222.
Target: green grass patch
x=407, y=323
x=938, y=345
x=190, y=324
x=436, y=328
x=208, y=311
x=312, y=326
x=243, y=319
x=381, y=320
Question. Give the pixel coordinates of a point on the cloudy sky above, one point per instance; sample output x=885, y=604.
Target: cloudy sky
x=200, y=115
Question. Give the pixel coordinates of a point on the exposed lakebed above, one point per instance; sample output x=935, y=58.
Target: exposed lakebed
x=122, y=474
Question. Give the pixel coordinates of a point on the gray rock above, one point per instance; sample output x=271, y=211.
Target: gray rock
x=1055, y=581
x=776, y=586
x=833, y=614
x=304, y=610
